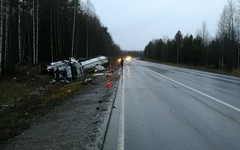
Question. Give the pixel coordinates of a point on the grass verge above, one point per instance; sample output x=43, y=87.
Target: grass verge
x=26, y=100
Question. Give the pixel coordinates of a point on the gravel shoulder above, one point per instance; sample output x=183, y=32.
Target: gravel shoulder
x=80, y=122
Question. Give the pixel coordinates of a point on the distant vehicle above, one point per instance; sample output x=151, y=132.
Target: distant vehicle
x=128, y=58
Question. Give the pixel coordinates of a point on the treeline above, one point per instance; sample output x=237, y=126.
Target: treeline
x=37, y=31
x=221, y=52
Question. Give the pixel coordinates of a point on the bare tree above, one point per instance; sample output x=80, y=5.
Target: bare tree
x=231, y=9
x=51, y=28
x=6, y=41
x=204, y=34
x=24, y=45
x=19, y=32
x=227, y=34
x=37, y=30
x=34, y=35
x=226, y=23
x=89, y=8
x=222, y=29
x=74, y=24
x=1, y=34
x=238, y=33
x=87, y=38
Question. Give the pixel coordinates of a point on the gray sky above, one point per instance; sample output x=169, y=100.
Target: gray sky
x=133, y=23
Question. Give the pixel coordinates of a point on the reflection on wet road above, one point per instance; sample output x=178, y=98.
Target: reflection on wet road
x=164, y=107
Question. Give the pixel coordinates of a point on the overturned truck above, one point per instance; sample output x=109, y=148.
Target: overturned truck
x=68, y=70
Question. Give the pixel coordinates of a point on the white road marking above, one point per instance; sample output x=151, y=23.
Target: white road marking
x=121, y=118
x=215, y=99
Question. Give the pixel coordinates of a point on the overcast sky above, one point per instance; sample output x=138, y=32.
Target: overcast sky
x=133, y=23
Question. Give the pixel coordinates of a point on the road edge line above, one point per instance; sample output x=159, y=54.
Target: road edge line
x=120, y=145
x=199, y=92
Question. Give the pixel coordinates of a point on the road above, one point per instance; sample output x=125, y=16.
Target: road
x=164, y=107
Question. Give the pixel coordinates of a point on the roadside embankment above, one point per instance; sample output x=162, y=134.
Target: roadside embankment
x=67, y=116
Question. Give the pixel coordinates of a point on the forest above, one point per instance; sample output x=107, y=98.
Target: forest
x=42, y=31
x=220, y=52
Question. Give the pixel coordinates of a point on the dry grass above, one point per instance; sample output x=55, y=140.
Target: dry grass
x=236, y=72
x=29, y=97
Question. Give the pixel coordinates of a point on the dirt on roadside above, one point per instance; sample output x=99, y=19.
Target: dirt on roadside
x=26, y=96
x=77, y=122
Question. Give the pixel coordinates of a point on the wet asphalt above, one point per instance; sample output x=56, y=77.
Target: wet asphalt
x=165, y=107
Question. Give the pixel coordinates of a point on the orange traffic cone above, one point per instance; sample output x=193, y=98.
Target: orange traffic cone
x=111, y=75
x=108, y=83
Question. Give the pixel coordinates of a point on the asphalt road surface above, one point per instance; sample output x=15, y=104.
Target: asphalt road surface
x=171, y=108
